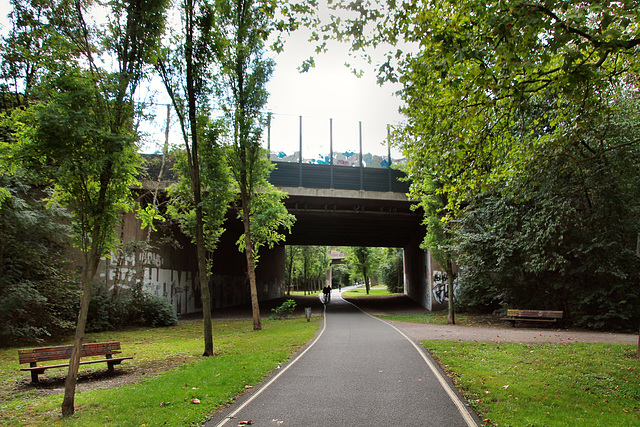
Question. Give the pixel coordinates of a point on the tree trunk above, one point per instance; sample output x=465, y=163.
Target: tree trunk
x=400, y=273
x=449, y=269
x=251, y=268
x=91, y=267
x=204, y=282
x=289, y=282
x=194, y=169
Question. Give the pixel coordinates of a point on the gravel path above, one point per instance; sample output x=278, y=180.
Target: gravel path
x=519, y=334
x=523, y=333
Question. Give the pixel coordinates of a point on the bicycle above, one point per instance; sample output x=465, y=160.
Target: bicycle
x=326, y=298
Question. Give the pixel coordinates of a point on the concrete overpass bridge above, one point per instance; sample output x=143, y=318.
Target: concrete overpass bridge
x=345, y=206
x=333, y=205
x=356, y=206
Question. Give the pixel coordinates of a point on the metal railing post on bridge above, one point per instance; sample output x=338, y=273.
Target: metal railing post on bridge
x=269, y=136
x=389, y=157
x=331, y=152
x=300, y=158
x=361, y=163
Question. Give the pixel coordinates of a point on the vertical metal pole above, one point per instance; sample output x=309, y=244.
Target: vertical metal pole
x=389, y=157
x=269, y=136
x=331, y=151
x=165, y=149
x=361, y=164
x=300, y=158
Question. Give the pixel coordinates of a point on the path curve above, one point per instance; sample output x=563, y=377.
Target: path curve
x=359, y=370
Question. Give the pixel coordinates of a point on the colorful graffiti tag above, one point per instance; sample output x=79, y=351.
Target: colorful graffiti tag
x=347, y=158
x=440, y=291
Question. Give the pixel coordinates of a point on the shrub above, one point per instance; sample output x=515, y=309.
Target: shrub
x=101, y=311
x=284, y=310
x=156, y=312
x=108, y=312
x=37, y=293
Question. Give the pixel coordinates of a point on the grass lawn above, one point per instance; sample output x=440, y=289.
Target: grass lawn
x=171, y=375
x=545, y=384
x=440, y=318
x=302, y=293
x=378, y=291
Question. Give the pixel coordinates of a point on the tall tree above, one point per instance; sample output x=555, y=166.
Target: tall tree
x=391, y=269
x=472, y=72
x=363, y=262
x=82, y=135
x=186, y=66
x=37, y=44
x=314, y=264
x=291, y=254
x=244, y=27
x=571, y=227
x=470, y=67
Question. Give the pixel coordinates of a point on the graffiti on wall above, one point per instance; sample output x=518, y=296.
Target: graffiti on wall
x=440, y=291
x=150, y=258
x=173, y=285
x=346, y=158
x=126, y=269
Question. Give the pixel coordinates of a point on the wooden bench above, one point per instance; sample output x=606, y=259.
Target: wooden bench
x=33, y=356
x=533, y=316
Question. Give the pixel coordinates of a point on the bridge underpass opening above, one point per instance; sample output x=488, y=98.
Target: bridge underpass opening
x=331, y=217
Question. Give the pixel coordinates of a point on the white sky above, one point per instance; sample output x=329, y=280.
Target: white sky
x=328, y=91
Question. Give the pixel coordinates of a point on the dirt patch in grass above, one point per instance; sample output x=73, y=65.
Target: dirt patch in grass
x=130, y=371
x=52, y=382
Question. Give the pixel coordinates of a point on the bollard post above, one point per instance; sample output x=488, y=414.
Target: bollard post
x=307, y=313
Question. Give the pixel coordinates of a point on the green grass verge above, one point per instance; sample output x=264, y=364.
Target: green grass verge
x=243, y=358
x=545, y=384
x=302, y=293
x=440, y=318
x=362, y=292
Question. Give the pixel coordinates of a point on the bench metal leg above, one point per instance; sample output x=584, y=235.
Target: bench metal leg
x=34, y=374
x=109, y=364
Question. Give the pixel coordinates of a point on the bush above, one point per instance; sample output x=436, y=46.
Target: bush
x=102, y=311
x=284, y=310
x=107, y=312
x=157, y=312
x=38, y=297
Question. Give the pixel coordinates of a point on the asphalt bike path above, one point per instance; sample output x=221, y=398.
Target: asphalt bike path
x=358, y=370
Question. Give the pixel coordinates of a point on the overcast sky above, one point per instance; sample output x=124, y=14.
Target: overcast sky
x=328, y=91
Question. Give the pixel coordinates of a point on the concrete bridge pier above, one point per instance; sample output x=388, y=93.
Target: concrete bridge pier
x=229, y=273
x=416, y=273
x=270, y=273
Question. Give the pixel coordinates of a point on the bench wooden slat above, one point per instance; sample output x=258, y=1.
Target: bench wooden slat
x=535, y=313
x=43, y=354
x=532, y=315
x=42, y=368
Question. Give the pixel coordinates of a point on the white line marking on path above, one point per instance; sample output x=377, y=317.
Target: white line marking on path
x=445, y=385
x=282, y=371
